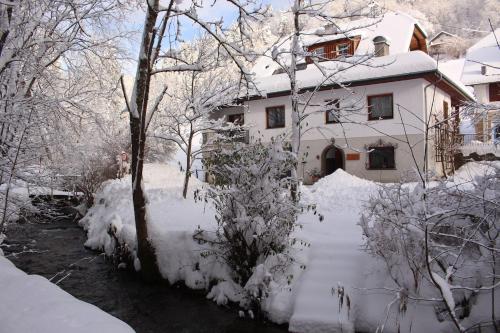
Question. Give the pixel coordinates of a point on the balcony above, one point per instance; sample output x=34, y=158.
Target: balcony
x=479, y=144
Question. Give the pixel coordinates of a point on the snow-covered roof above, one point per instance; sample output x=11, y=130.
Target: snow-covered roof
x=396, y=27
x=452, y=68
x=485, y=52
x=397, y=65
x=439, y=34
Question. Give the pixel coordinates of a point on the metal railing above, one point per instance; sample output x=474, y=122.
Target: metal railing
x=477, y=143
x=471, y=139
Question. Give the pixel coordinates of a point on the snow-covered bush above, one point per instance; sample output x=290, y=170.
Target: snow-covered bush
x=18, y=203
x=440, y=243
x=92, y=173
x=255, y=212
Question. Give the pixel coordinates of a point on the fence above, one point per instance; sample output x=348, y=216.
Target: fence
x=473, y=143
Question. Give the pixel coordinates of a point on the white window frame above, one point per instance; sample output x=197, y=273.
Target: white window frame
x=342, y=49
x=316, y=53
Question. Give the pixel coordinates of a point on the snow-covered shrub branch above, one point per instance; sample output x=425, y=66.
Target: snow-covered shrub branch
x=440, y=242
x=255, y=212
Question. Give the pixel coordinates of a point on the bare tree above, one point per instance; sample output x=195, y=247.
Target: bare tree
x=190, y=107
x=151, y=50
x=39, y=44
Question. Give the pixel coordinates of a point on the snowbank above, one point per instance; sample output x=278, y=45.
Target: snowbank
x=18, y=200
x=339, y=190
x=470, y=172
x=173, y=221
x=334, y=285
x=30, y=303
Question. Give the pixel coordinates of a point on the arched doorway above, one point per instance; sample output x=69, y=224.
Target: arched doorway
x=332, y=159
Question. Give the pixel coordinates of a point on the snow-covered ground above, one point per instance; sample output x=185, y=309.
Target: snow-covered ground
x=333, y=265
x=30, y=303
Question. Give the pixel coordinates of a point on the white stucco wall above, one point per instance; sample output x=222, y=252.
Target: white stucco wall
x=407, y=94
x=435, y=99
x=356, y=131
x=482, y=92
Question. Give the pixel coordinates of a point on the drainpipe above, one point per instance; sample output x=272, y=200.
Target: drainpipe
x=426, y=132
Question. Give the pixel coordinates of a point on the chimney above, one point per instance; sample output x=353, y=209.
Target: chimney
x=483, y=70
x=381, y=45
x=331, y=29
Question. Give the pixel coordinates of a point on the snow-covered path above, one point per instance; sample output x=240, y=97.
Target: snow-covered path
x=334, y=258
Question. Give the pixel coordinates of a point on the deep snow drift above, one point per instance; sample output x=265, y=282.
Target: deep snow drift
x=334, y=267
x=30, y=303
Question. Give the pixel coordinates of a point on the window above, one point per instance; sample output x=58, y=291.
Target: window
x=275, y=116
x=332, y=49
x=445, y=110
x=381, y=158
x=342, y=49
x=495, y=92
x=332, y=112
x=318, y=52
x=237, y=119
x=380, y=107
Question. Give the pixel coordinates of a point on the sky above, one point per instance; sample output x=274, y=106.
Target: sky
x=221, y=9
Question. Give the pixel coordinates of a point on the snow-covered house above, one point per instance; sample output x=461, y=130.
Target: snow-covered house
x=394, y=93
x=481, y=71
x=445, y=44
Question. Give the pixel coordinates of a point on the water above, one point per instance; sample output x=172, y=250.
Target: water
x=53, y=247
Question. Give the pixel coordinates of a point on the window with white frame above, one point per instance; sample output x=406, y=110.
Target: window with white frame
x=332, y=111
x=275, y=116
x=318, y=52
x=381, y=158
x=342, y=49
x=380, y=107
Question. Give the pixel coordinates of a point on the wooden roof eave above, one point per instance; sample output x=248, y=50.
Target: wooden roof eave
x=432, y=76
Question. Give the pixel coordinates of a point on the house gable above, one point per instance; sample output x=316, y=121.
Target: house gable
x=418, y=40
x=443, y=37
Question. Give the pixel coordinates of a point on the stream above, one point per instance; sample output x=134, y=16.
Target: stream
x=51, y=245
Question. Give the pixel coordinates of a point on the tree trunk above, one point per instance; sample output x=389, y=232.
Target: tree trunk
x=12, y=171
x=494, y=278
x=188, y=166
x=295, y=102
x=6, y=15
x=145, y=250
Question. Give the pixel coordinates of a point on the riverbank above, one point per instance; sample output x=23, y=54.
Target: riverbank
x=31, y=303
x=53, y=247
x=335, y=285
